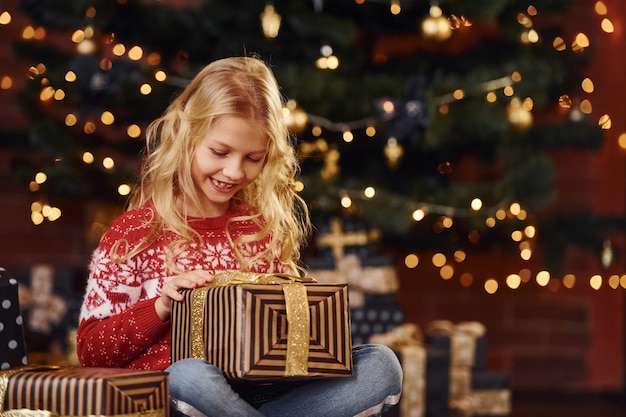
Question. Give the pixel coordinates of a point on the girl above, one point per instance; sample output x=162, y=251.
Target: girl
x=216, y=193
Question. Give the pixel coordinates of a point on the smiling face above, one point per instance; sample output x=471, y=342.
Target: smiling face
x=229, y=157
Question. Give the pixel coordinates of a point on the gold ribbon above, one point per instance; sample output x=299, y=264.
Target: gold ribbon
x=407, y=339
x=491, y=401
x=296, y=303
x=5, y=375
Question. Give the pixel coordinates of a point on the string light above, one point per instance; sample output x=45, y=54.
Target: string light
x=145, y=89
x=41, y=211
x=395, y=8
x=514, y=281
x=70, y=120
x=124, y=189
x=108, y=163
x=133, y=131
x=88, y=158
x=581, y=42
x=89, y=127
x=5, y=18
x=107, y=118
x=607, y=25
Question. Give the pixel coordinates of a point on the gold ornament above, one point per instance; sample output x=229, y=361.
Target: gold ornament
x=520, y=117
x=295, y=117
x=607, y=256
x=331, y=168
x=270, y=21
x=393, y=152
x=436, y=26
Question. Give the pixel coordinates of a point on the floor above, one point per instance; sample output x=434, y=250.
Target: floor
x=568, y=405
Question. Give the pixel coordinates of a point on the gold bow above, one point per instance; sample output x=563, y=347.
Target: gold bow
x=296, y=303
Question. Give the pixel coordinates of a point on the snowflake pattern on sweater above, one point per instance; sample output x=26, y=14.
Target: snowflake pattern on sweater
x=118, y=324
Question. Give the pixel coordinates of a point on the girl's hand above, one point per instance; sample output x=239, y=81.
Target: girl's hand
x=169, y=292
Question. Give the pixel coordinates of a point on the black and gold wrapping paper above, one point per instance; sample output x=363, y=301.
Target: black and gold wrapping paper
x=473, y=390
x=265, y=326
x=426, y=377
x=80, y=392
x=465, y=342
x=490, y=394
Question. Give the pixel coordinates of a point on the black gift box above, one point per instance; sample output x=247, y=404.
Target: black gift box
x=489, y=380
x=437, y=381
x=374, y=318
x=12, y=345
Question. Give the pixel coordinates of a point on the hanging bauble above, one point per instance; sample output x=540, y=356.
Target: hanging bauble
x=393, y=152
x=270, y=21
x=607, y=256
x=331, y=168
x=295, y=117
x=436, y=26
x=520, y=117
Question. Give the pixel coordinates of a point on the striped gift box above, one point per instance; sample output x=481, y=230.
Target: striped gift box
x=44, y=391
x=244, y=330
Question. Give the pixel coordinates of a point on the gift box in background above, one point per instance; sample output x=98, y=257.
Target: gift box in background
x=426, y=377
x=12, y=345
x=380, y=313
x=244, y=330
x=370, y=275
x=347, y=251
x=473, y=390
x=50, y=299
x=103, y=392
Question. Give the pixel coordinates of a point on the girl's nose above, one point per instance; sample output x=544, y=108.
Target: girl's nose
x=233, y=169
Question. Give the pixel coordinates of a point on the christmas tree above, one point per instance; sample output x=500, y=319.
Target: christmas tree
x=432, y=122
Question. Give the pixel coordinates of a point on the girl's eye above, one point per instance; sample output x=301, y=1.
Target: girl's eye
x=218, y=153
x=255, y=160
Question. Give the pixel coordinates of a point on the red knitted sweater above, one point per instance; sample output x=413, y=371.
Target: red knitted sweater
x=118, y=324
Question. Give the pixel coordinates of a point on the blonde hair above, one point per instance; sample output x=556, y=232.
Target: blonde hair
x=238, y=86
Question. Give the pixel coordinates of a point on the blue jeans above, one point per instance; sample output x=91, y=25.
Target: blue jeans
x=200, y=388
